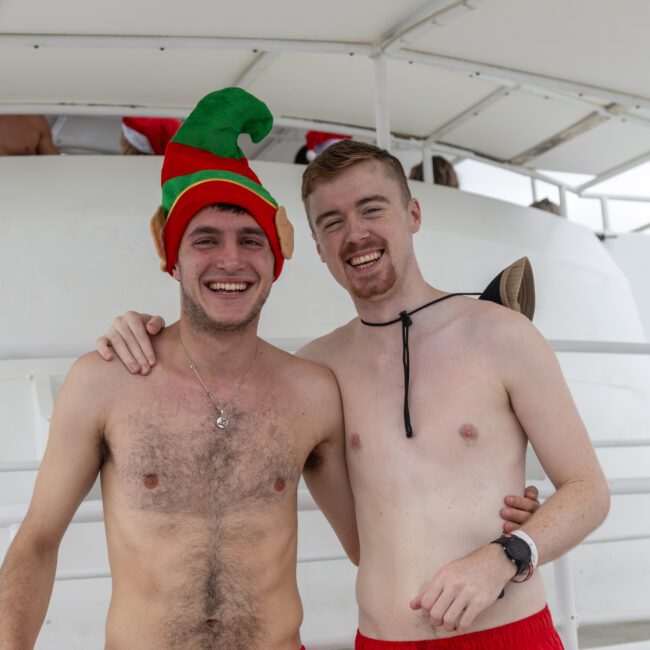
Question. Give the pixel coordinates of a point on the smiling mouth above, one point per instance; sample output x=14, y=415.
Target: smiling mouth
x=228, y=287
x=365, y=261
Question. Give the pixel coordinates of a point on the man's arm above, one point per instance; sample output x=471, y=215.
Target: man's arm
x=326, y=472
x=543, y=405
x=70, y=465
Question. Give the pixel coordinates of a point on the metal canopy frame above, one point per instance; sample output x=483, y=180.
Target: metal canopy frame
x=393, y=44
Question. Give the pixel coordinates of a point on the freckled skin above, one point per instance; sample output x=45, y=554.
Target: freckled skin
x=151, y=481
x=355, y=441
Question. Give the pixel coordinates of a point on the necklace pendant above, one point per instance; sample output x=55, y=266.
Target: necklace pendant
x=222, y=421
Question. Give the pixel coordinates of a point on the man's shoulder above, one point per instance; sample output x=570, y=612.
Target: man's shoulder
x=91, y=364
x=312, y=385
x=325, y=348
x=299, y=367
x=485, y=323
x=89, y=389
x=92, y=374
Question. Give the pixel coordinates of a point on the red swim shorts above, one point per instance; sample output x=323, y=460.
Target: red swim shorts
x=535, y=632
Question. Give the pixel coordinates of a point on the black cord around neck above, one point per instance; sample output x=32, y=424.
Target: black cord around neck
x=405, y=318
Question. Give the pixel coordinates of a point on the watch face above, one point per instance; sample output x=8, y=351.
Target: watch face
x=518, y=550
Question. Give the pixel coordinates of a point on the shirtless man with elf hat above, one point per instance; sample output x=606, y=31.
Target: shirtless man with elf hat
x=199, y=493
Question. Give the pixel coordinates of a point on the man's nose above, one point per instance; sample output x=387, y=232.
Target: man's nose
x=357, y=229
x=230, y=256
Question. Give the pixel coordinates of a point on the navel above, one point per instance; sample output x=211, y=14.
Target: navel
x=211, y=622
x=151, y=481
x=279, y=484
x=468, y=434
x=355, y=441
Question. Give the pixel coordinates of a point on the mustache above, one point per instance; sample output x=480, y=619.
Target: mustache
x=351, y=248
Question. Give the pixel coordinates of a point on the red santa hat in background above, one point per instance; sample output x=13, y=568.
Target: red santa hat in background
x=318, y=141
x=149, y=135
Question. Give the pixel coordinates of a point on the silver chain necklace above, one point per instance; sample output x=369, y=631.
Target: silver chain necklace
x=222, y=421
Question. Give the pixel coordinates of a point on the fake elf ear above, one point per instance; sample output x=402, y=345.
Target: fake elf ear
x=156, y=228
x=514, y=287
x=285, y=232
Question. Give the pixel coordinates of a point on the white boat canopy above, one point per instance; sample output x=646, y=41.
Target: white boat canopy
x=549, y=85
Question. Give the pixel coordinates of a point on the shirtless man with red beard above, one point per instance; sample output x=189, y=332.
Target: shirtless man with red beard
x=428, y=468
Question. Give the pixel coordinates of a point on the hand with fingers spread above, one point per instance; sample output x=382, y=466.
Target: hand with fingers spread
x=462, y=589
x=129, y=338
x=519, y=509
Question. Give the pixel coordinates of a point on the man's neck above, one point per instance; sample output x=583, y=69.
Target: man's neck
x=221, y=353
x=402, y=297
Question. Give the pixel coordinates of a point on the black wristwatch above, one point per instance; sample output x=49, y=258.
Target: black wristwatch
x=517, y=551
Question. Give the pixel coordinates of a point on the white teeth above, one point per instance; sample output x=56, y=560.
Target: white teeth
x=227, y=286
x=364, y=259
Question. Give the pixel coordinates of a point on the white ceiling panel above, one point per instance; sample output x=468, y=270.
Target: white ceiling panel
x=174, y=78
x=337, y=88
x=599, y=43
x=594, y=152
x=423, y=98
x=340, y=20
x=514, y=124
x=596, y=42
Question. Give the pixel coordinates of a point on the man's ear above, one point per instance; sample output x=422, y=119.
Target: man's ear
x=176, y=274
x=415, y=215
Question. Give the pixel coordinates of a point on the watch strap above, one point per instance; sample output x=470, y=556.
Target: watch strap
x=534, y=555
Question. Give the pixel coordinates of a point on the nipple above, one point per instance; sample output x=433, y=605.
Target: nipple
x=468, y=434
x=279, y=484
x=355, y=441
x=151, y=481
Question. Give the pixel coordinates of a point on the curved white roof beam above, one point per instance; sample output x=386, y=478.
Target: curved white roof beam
x=501, y=74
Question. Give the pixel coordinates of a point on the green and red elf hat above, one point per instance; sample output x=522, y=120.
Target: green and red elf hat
x=204, y=165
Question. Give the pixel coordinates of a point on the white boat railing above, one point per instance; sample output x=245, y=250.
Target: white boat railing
x=567, y=622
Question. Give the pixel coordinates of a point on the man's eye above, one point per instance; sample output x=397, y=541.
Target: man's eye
x=332, y=225
x=204, y=242
x=253, y=243
x=372, y=210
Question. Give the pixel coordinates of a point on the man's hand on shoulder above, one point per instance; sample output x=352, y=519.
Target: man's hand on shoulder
x=129, y=338
x=462, y=589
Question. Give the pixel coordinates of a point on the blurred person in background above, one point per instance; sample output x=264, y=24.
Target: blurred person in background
x=26, y=135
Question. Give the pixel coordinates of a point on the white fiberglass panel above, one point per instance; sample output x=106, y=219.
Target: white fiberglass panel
x=340, y=20
x=171, y=79
x=555, y=38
